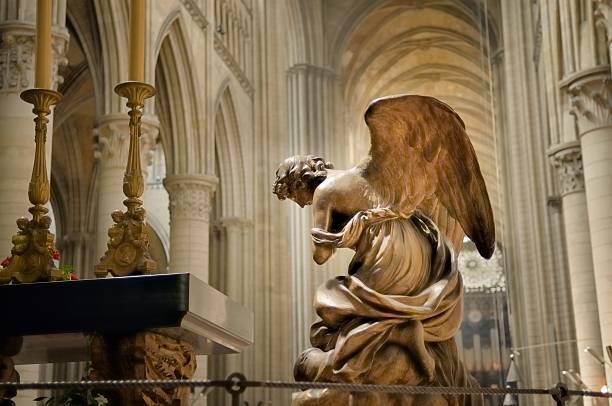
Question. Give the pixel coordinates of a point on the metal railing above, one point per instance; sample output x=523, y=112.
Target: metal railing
x=236, y=383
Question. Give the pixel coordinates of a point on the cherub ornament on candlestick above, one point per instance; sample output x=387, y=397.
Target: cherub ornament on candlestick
x=403, y=211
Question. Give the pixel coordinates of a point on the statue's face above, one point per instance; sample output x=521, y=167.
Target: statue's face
x=301, y=193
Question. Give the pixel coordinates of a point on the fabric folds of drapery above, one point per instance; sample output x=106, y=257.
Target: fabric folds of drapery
x=393, y=317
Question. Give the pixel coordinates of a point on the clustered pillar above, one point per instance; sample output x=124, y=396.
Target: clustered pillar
x=591, y=98
x=311, y=125
x=567, y=160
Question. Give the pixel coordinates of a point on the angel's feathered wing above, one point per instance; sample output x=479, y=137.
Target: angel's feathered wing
x=422, y=158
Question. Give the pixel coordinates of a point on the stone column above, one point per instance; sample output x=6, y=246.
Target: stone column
x=567, y=160
x=190, y=197
x=591, y=99
x=311, y=125
x=17, y=141
x=311, y=111
x=238, y=281
x=113, y=141
x=236, y=242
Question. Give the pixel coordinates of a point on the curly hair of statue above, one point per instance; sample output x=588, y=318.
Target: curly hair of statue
x=309, y=169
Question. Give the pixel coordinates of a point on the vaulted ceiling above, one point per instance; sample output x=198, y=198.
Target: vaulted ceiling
x=438, y=48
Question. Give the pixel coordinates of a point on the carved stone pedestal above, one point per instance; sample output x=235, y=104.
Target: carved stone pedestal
x=9, y=347
x=143, y=355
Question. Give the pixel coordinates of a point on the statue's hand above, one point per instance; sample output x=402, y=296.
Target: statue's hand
x=321, y=253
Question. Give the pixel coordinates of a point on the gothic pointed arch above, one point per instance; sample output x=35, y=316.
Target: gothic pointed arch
x=82, y=23
x=229, y=156
x=178, y=104
x=307, y=34
x=229, y=205
x=112, y=18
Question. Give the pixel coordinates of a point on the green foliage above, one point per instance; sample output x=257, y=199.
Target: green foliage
x=66, y=270
x=74, y=397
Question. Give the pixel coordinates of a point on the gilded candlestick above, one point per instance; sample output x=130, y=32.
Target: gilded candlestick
x=33, y=245
x=128, y=245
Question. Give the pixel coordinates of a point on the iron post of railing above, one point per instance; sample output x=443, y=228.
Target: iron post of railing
x=235, y=386
x=560, y=394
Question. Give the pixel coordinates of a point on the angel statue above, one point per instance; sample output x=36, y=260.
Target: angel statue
x=404, y=211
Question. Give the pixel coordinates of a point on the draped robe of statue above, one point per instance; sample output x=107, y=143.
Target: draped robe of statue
x=392, y=319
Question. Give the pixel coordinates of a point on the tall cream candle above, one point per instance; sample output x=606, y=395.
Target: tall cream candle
x=42, y=77
x=137, y=40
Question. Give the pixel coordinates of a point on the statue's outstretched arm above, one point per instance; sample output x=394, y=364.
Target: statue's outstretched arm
x=322, y=220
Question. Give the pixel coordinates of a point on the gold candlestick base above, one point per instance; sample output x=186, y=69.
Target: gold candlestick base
x=128, y=245
x=33, y=245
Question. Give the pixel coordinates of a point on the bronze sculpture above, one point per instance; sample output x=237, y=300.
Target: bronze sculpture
x=404, y=211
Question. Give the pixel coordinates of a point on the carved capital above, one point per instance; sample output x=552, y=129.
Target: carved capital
x=17, y=49
x=190, y=195
x=233, y=65
x=16, y=61
x=113, y=140
x=591, y=100
x=567, y=160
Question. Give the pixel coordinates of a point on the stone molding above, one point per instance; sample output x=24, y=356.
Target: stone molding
x=113, y=142
x=590, y=98
x=567, y=160
x=17, y=49
x=230, y=62
x=196, y=13
x=190, y=195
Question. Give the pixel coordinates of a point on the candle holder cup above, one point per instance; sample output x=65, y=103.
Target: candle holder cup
x=33, y=245
x=128, y=245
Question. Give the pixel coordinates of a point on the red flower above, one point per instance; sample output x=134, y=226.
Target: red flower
x=6, y=262
x=56, y=255
x=74, y=276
